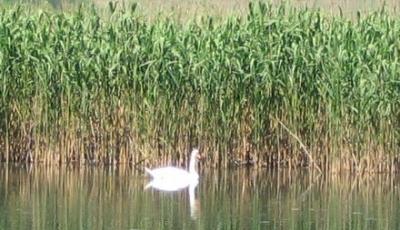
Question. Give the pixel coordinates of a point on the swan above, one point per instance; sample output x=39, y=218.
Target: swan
x=172, y=178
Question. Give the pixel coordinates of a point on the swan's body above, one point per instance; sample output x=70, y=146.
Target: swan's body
x=172, y=173
x=172, y=178
x=171, y=185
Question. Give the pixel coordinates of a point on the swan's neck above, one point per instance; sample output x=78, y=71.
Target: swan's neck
x=192, y=163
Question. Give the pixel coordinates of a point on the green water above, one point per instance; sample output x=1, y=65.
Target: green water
x=107, y=198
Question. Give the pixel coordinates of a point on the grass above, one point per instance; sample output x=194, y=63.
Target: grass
x=80, y=87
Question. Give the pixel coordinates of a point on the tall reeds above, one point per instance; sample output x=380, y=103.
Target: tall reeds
x=118, y=88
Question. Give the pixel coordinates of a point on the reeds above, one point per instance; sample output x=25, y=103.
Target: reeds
x=88, y=88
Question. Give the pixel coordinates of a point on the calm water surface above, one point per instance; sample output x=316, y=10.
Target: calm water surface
x=102, y=198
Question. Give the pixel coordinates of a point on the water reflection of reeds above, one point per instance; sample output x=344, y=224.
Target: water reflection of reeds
x=82, y=198
x=302, y=201
x=114, y=198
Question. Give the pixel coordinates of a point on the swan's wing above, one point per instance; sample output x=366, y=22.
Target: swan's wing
x=170, y=178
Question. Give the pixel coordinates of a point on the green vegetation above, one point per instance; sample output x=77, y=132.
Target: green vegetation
x=118, y=88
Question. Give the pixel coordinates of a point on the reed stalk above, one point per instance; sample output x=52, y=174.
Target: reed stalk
x=89, y=88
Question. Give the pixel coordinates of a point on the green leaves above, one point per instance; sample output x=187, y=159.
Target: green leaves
x=222, y=80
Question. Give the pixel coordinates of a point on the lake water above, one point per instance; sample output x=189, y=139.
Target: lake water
x=110, y=198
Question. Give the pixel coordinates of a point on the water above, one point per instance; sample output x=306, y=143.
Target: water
x=104, y=198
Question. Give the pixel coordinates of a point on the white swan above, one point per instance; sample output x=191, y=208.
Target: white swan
x=172, y=178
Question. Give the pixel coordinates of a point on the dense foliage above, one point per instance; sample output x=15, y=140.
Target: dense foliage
x=120, y=88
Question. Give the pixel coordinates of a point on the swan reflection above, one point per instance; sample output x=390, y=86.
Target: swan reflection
x=173, y=186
